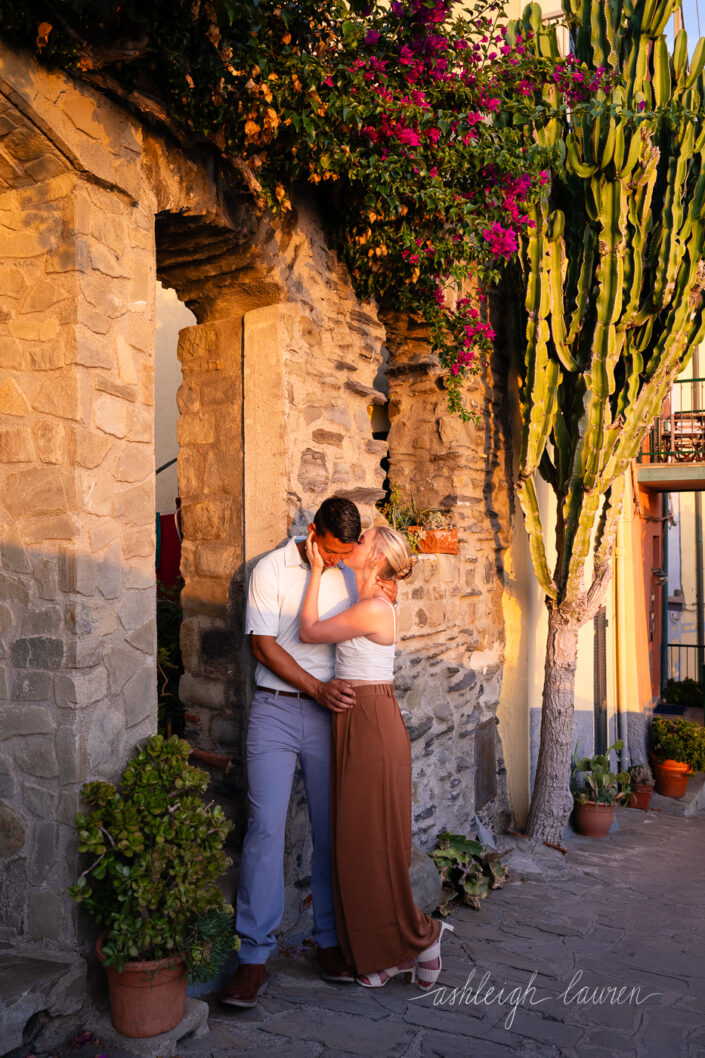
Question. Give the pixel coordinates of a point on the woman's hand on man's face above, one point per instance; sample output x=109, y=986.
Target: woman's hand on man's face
x=313, y=555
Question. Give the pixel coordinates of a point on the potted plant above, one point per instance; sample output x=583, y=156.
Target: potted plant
x=597, y=791
x=429, y=531
x=156, y=852
x=677, y=750
x=642, y=786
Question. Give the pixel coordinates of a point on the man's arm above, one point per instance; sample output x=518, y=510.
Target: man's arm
x=335, y=695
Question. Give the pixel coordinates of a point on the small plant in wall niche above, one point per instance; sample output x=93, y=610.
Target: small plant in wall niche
x=467, y=870
x=429, y=530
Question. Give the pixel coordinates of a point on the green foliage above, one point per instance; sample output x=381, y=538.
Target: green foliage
x=673, y=738
x=169, y=663
x=641, y=775
x=592, y=779
x=386, y=109
x=687, y=692
x=612, y=275
x=467, y=870
x=402, y=513
x=156, y=852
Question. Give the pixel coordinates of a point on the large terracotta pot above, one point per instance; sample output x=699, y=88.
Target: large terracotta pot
x=436, y=541
x=671, y=777
x=593, y=820
x=146, y=998
x=642, y=796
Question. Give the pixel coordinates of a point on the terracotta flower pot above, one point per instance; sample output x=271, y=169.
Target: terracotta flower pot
x=642, y=796
x=436, y=541
x=593, y=820
x=671, y=777
x=146, y=998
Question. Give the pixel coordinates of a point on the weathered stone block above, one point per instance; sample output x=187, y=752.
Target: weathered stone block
x=111, y=414
x=135, y=506
x=44, y=620
x=12, y=832
x=39, y=490
x=71, y=755
x=45, y=916
x=217, y=560
x=46, y=574
x=206, y=521
x=92, y=618
x=39, y=800
x=25, y=720
x=37, y=652
x=36, y=755
x=60, y=397
x=54, y=441
x=13, y=894
x=144, y=638
x=138, y=543
x=16, y=444
x=313, y=473
x=140, y=694
x=32, y=686
x=12, y=399
x=105, y=744
x=78, y=689
x=91, y=447
x=110, y=571
x=44, y=850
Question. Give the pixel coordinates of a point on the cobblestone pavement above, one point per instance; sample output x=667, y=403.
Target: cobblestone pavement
x=596, y=954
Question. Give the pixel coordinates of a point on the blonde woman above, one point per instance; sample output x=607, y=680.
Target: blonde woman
x=382, y=933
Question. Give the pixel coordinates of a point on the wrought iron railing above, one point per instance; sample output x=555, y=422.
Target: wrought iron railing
x=683, y=661
x=679, y=435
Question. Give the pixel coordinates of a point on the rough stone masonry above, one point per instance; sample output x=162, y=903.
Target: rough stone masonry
x=279, y=378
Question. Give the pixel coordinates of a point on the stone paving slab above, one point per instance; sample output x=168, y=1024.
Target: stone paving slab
x=597, y=955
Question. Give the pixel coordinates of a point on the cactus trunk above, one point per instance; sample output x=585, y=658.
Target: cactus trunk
x=552, y=801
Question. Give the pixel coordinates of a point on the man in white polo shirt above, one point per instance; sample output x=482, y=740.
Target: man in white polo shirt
x=290, y=719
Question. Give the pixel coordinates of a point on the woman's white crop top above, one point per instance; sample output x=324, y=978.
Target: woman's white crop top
x=361, y=659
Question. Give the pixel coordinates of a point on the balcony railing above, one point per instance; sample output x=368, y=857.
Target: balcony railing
x=679, y=435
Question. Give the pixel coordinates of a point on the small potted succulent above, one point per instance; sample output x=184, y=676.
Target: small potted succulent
x=156, y=852
x=597, y=790
x=430, y=530
x=642, y=786
x=677, y=750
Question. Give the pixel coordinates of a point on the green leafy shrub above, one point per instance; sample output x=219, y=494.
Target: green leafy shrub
x=157, y=851
x=687, y=692
x=592, y=779
x=467, y=869
x=673, y=738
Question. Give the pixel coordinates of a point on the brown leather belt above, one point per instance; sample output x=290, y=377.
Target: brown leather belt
x=283, y=694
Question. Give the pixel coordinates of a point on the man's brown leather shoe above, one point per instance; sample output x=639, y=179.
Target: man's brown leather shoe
x=334, y=967
x=248, y=982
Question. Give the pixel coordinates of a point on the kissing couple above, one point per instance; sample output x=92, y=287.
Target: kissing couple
x=322, y=621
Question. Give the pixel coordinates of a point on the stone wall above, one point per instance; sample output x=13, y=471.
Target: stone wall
x=279, y=379
x=449, y=665
x=77, y=679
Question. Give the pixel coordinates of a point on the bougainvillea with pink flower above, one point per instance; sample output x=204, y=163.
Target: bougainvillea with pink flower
x=406, y=118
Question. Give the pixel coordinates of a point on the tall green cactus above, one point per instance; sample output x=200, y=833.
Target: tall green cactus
x=613, y=281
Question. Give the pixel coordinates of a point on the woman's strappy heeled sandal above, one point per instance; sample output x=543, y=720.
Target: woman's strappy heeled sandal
x=374, y=980
x=424, y=976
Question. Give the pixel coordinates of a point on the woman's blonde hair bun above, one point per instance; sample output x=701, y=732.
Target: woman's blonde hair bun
x=394, y=547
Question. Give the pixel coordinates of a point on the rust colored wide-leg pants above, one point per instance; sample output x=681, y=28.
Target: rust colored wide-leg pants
x=379, y=925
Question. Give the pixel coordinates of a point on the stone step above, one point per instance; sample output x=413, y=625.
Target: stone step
x=35, y=983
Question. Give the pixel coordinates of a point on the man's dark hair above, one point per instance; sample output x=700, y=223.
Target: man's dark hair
x=340, y=518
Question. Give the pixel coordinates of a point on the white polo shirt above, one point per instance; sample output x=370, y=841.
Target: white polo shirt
x=274, y=598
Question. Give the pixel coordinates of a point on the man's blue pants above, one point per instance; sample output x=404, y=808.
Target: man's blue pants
x=280, y=730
